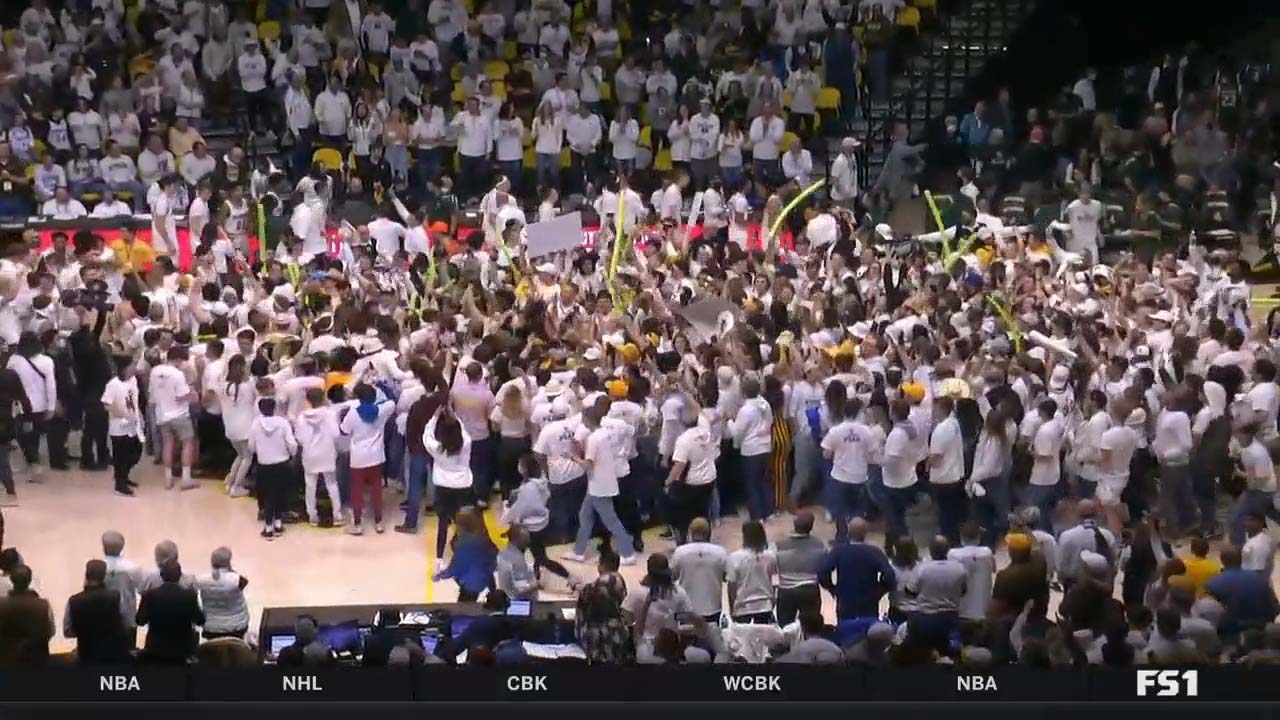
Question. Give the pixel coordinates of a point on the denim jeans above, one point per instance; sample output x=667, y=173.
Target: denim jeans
x=893, y=506
x=1176, y=501
x=428, y=162
x=730, y=176
x=1043, y=498
x=754, y=471
x=953, y=507
x=602, y=508
x=806, y=457
x=416, y=482
x=624, y=167
x=483, y=456
x=992, y=510
x=848, y=501
x=1250, y=501
x=548, y=170
x=566, y=500
x=513, y=170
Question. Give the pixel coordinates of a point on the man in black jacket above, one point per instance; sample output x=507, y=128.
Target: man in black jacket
x=11, y=394
x=93, y=371
x=67, y=414
x=93, y=619
x=171, y=613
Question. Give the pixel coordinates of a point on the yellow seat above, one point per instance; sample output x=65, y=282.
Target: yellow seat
x=260, y=11
x=828, y=98
x=566, y=159
x=909, y=17
x=931, y=5
x=351, y=159
x=123, y=195
x=459, y=93
x=496, y=69
x=268, y=31
x=787, y=138
x=606, y=91
x=374, y=72
x=30, y=172
x=455, y=73
x=141, y=65
x=90, y=197
x=510, y=51
x=786, y=99
x=662, y=163
x=530, y=158
x=329, y=158
x=646, y=137
x=9, y=35
x=40, y=148
x=526, y=137
x=500, y=89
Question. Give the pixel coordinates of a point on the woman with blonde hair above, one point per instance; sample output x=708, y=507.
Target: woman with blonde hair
x=222, y=597
x=510, y=415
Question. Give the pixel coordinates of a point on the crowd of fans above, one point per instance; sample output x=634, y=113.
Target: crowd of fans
x=1088, y=417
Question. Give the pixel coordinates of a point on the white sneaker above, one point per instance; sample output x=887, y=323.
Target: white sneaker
x=572, y=556
x=339, y=520
x=354, y=529
x=313, y=522
x=191, y=484
x=628, y=560
x=239, y=491
x=377, y=527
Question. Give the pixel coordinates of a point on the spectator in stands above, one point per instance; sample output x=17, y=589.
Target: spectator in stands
x=120, y=174
x=26, y=623
x=307, y=650
x=799, y=555
x=62, y=206
x=171, y=613
x=699, y=567
x=93, y=618
x=222, y=598
x=862, y=571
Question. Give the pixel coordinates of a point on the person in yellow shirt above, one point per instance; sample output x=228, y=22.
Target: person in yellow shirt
x=132, y=255
x=1200, y=567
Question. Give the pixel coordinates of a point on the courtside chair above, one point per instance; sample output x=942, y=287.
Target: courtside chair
x=328, y=158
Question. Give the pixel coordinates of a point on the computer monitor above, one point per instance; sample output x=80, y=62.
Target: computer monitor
x=429, y=642
x=520, y=608
x=280, y=642
x=343, y=638
x=458, y=624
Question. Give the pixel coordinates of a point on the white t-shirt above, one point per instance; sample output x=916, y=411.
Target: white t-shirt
x=1046, y=469
x=1264, y=400
x=946, y=441
x=556, y=441
x=847, y=442
x=1258, y=554
x=900, y=456
x=238, y=403
x=122, y=394
x=980, y=569
x=696, y=449
x=169, y=390
x=601, y=451
x=1259, y=470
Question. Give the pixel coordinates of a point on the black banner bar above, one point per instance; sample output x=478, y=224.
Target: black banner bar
x=327, y=684
x=948, y=683
x=124, y=684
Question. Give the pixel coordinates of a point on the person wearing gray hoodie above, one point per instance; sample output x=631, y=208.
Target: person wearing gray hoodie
x=515, y=577
x=527, y=510
x=271, y=440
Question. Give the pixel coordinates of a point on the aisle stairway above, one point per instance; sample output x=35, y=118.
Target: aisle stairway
x=949, y=58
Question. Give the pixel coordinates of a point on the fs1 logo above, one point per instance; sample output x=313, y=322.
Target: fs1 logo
x=1168, y=683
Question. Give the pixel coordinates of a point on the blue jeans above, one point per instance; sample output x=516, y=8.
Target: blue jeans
x=893, y=505
x=754, y=471
x=730, y=175
x=566, y=501
x=992, y=510
x=428, y=161
x=624, y=167
x=806, y=457
x=953, y=506
x=136, y=188
x=548, y=170
x=1043, y=497
x=848, y=501
x=602, y=508
x=513, y=170
x=1176, y=501
x=483, y=454
x=397, y=157
x=418, y=480
x=767, y=171
x=394, y=447
x=343, y=472
x=1085, y=488
x=1250, y=501
x=300, y=156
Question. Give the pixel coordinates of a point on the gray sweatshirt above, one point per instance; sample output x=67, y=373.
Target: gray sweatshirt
x=799, y=557
x=528, y=506
x=515, y=577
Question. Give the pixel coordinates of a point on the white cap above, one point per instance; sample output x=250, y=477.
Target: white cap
x=593, y=353
x=553, y=388
x=548, y=268
x=1163, y=316
x=1061, y=374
